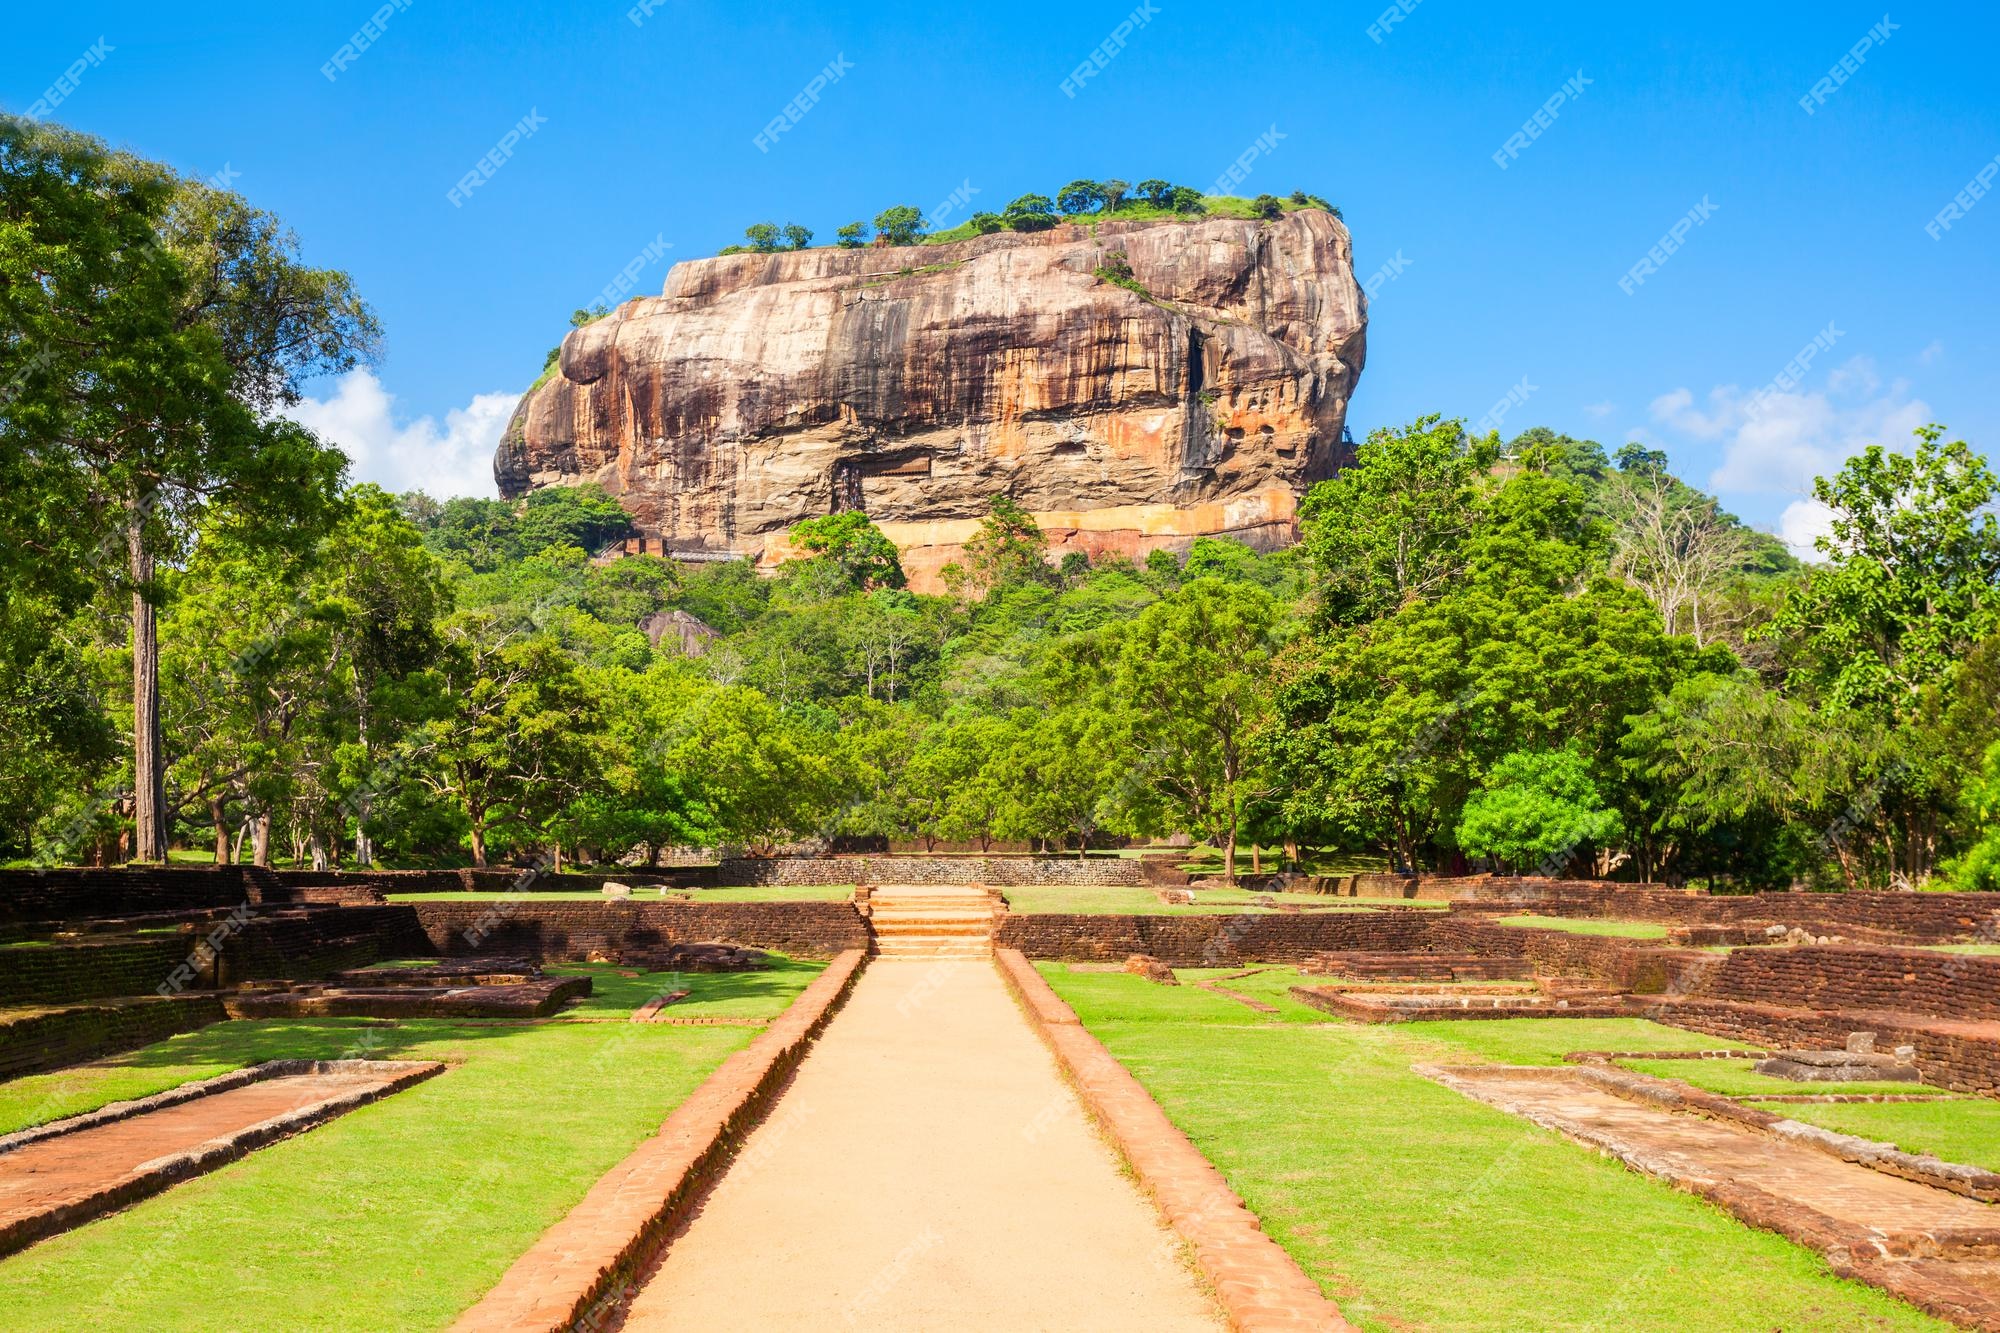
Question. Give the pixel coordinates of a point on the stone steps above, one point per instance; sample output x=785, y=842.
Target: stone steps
x=932, y=923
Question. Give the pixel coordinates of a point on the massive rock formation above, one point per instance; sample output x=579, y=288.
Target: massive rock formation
x=916, y=383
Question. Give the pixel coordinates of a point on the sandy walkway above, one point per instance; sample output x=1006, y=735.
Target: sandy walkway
x=928, y=1169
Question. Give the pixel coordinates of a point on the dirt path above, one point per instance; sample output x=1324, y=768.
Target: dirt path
x=928, y=1169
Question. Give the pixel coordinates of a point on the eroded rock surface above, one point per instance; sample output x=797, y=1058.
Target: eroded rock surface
x=916, y=383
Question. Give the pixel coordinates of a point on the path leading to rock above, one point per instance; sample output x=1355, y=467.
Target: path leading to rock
x=927, y=1169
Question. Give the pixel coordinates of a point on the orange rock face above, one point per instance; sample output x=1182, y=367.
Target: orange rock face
x=916, y=383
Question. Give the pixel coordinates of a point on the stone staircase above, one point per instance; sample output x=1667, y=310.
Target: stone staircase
x=931, y=921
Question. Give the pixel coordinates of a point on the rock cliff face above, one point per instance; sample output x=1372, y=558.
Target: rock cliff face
x=916, y=383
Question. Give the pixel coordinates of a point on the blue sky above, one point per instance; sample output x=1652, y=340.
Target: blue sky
x=1506, y=281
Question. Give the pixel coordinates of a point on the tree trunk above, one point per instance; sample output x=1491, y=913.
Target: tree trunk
x=1256, y=859
x=1229, y=853
x=1292, y=852
x=260, y=839
x=478, y=845
x=149, y=797
x=555, y=849
x=221, y=830
x=318, y=844
x=242, y=832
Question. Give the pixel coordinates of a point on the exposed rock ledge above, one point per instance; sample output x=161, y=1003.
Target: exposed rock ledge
x=915, y=383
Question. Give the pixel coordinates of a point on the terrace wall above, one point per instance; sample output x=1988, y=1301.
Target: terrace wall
x=76, y=894
x=573, y=931
x=47, y=1039
x=1633, y=965
x=290, y=943
x=996, y=871
x=1213, y=940
x=1947, y=1055
x=1910, y=981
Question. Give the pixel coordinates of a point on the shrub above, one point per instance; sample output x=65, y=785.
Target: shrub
x=1536, y=806
x=852, y=236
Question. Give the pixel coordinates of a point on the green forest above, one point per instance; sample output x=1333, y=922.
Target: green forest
x=1528, y=655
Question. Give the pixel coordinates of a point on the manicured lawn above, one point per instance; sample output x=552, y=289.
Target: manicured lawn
x=712, y=994
x=774, y=893
x=1544, y=1041
x=1628, y=930
x=1738, y=1078
x=1958, y=1130
x=1417, y=1208
x=396, y=1216
x=1965, y=948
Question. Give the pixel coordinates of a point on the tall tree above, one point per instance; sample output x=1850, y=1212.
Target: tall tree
x=1191, y=670
x=189, y=320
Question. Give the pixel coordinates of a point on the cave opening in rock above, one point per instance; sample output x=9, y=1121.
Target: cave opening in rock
x=1195, y=357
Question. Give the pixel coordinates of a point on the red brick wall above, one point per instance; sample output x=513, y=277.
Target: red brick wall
x=998, y=871
x=1914, y=981
x=1955, y=1060
x=570, y=931
x=53, y=1038
x=66, y=894
x=1213, y=940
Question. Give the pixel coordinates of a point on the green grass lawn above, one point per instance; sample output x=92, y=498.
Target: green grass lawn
x=1957, y=1129
x=1418, y=1208
x=1965, y=948
x=1738, y=1078
x=771, y=893
x=396, y=1216
x=1628, y=930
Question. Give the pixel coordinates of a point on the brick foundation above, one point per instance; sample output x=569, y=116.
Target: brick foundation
x=51, y=1038
x=996, y=871
x=1213, y=940
x=572, y=931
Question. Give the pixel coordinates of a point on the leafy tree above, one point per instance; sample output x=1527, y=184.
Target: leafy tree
x=762, y=236
x=901, y=225
x=184, y=319
x=582, y=516
x=1155, y=192
x=1536, y=806
x=1268, y=207
x=1114, y=193
x=1978, y=870
x=1186, y=199
x=1190, y=670
x=522, y=744
x=797, y=237
x=1080, y=196
x=1009, y=548
x=1031, y=212
x=1911, y=580
x=865, y=558
x=1393, y=526
x=987, y=223
x=852, y=236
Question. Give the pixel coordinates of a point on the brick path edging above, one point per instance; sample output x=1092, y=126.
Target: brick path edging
x=161, y=1173
x=580, y=1270
x=1261, y=1288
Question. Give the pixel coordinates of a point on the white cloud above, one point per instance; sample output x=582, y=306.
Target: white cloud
x=448, y=460
x=1599, y=411
x=1933, y=352
x=1777, y=443
x=1802, y=523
